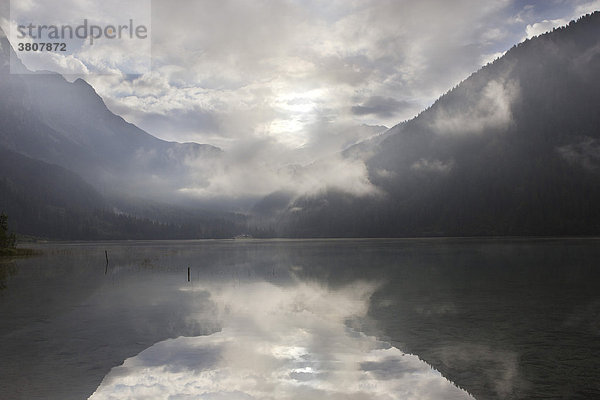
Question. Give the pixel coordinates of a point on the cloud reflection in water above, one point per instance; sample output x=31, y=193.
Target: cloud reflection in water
x=278, y=342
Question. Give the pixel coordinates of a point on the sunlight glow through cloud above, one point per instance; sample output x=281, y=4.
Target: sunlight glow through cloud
x=287, y=84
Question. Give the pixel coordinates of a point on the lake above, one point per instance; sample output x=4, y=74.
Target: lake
x=299, y=319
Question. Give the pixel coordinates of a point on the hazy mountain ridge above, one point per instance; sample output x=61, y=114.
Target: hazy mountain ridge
x=512, y=150
x=49, y=201
x=45, y=199
x=47, y=118
x=67, y=161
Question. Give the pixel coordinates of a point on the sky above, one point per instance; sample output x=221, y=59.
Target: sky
x=287, y=81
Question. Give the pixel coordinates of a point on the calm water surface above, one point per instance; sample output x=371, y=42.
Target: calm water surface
x=338, y=319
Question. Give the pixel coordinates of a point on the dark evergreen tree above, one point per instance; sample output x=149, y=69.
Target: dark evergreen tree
x=7, y=240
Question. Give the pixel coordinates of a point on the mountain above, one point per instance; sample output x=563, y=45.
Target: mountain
x=43, y=198
x=71, y=169
x=45, y=117
x=512, y=150
x=49, y=201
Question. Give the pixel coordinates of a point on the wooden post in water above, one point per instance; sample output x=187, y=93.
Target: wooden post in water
x=188, y=274
x=106, y=268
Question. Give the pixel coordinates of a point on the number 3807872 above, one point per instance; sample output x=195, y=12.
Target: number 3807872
x=42, y=47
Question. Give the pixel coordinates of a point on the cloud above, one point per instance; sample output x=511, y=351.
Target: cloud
x=490, y=109
x=380, y=106
x=586, y=7
x=489, y=58
x=504, y=364
x=299, y=81
x=568, y=11
x=432, y=166
x=62, y=64
x=256, y=168
x=585, y=153
x=94, y=53
x=280, y=342
x=544, y=26
x=212, y=58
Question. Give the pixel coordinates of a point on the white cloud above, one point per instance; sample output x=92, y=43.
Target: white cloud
x=329, y=55
x=585, y=153
x=586, y=8
x=62, y=64
x=297, y=81
x=489, y=58
x=95, y=53
x=255, y=169
x=544, y=26
x=540, y=26
x=490, y=109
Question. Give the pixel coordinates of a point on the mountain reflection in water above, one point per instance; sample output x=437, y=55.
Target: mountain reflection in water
x=499, y=318
x=289, y=342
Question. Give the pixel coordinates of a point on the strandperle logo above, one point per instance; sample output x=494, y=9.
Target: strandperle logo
x=79, y=38
x=85, y=30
